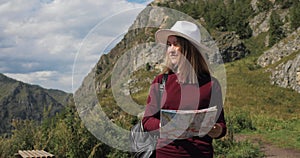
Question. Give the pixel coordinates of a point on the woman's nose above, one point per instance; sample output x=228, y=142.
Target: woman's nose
x=171, y=49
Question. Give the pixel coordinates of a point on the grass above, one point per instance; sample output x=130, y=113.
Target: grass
x=273, y=111
x=145, y=78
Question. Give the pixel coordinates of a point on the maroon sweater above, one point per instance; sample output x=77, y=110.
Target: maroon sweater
x=185, y=97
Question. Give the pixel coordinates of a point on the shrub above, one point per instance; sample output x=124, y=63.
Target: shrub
x=148, y=67
x=231, y=148
x=240, y=121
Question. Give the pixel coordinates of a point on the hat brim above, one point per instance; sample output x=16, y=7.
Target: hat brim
x=161, y=36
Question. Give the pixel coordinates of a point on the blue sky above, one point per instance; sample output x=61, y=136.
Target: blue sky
x=39, y=39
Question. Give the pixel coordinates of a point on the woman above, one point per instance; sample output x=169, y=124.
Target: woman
x=189, y=86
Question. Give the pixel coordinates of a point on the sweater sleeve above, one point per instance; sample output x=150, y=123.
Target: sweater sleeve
x=216, y=99
x=151, y=117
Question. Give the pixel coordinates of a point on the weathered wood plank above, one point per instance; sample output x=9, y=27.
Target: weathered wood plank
x=42, y=153
x=34, y=154
x=24, y=154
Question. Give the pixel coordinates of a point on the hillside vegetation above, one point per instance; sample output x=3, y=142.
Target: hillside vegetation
x=20, y=101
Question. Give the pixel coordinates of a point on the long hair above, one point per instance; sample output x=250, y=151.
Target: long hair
x=191, y=65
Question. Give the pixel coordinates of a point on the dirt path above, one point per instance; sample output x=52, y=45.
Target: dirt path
x=275, y=152
x=271, y=151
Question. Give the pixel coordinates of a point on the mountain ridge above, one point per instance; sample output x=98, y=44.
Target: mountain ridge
x=231, y=44
x=19, y=100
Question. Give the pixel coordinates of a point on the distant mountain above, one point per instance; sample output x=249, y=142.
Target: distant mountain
x=19, y=100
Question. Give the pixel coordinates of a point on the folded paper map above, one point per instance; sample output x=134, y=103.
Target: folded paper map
x=182, y=124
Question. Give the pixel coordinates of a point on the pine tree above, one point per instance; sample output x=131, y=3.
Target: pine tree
x=295, y=15
x=238, y=13
x=264, y=5
x=276, y=32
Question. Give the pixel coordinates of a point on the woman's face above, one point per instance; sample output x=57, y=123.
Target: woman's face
x=173, y=50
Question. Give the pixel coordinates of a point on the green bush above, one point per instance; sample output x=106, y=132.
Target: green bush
x=236, y=149
x=229, y=147
x=148, y=67
x=240, y=122
x=253, y=67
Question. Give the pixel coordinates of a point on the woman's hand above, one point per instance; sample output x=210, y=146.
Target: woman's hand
x=215, y=131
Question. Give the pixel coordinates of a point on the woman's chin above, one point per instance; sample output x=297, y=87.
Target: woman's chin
x=174, y=63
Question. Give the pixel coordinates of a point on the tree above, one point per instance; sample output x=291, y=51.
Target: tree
x=23, y=138
x=238, y=13
x=285, y=3
x=215, y=14
x=264, y=5
x=148, y=67
x=70, y=138
x=295, y=15
x=276, y=32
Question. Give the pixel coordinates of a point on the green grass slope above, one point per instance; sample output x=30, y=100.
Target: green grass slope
x=259, y=108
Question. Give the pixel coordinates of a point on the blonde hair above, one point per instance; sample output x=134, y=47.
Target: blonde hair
x=191, y=64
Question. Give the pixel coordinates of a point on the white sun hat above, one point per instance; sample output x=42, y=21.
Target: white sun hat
x=185, y=29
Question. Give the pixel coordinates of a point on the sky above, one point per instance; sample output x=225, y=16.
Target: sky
x=41, y=40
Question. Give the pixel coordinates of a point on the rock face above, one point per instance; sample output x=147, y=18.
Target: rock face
x=260, y=23
x=286, y=74
x=136, y=48
x=231, y=47
x=280, y=50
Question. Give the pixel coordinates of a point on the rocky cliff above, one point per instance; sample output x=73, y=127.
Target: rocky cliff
x=231, y=46
x=284, y=48
x=287, y=74
x=285, y=55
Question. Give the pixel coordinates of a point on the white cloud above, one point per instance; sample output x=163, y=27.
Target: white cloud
x=39, y=39
x=48, y=79
x=32, y=77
